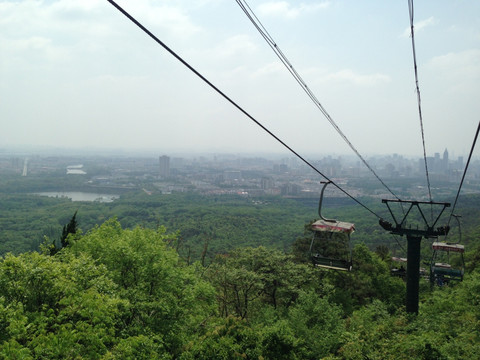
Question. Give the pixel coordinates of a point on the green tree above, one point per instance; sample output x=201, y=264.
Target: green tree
x=56, y=307
x=236, y=287
x=369, y=279
x=317, y=324
x=227, y=338
x=113, y=293
x=278, y=341
x=249, y=278
x=70, y=228
x=165, y=296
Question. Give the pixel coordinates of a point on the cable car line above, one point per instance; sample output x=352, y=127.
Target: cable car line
x=464, y=173
x=398, y=243
x=158, y=41
x=273, y=45
x=411, y=13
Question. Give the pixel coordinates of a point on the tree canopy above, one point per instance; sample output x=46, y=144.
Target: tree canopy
x=117, y=293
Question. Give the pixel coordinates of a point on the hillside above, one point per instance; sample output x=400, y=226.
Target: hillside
x=118, y=293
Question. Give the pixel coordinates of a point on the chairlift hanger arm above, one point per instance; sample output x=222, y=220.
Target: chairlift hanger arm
x=321, y=200
x=399, y=226
x=391, y=213
x=459, y=226
x=416, y=202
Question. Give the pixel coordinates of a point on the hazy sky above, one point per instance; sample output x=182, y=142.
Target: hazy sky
x=79, y=74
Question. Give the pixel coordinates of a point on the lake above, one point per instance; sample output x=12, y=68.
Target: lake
x=81, y=196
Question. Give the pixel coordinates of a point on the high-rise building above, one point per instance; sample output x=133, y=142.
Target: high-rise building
x=164, y=169
x=267, y=183
x=445, y=160
x=460, y=162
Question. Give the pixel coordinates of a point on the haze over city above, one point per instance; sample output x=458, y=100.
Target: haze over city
x=80, y=75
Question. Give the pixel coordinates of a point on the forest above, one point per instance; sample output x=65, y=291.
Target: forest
x=225, y=222
x=187, y=276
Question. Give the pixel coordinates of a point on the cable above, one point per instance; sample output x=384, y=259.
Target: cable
x=410, y=10
x=261, y=29
x=398, y=243
x=158, y=41
x=464, y=173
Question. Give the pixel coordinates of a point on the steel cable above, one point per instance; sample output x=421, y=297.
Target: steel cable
x=273, y=45
x=411, y=12
x=464, y=173
x=158, y=41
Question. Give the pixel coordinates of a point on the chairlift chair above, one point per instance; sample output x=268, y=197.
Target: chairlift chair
x=443, y=272
x=400, y=268
x=399, y=271
x=325, y=232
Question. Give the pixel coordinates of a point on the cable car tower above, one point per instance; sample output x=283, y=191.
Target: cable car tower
x=414, y=238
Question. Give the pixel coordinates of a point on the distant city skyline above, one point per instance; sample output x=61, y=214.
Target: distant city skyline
x=20, y=150
x=219, y=174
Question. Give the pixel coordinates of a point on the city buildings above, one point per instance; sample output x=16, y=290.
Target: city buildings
x=239, y=174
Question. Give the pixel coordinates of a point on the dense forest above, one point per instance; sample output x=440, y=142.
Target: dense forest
x=187, y=276
x=226, y=222
x=116, y=293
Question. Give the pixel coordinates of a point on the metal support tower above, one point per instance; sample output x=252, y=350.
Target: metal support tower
x=414, y=238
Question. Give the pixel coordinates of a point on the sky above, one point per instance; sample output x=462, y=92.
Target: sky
x=79, y=74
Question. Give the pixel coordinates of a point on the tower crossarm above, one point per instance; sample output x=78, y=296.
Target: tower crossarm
x=400, y=225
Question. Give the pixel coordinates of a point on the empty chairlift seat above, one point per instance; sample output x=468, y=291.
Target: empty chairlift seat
x=441, y=270
x=330, y=247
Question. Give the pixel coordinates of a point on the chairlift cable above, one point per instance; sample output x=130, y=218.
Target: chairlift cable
x=464, y=173
x=398, y=243
x=158, y=41
x=273, y=45
x=411, y=13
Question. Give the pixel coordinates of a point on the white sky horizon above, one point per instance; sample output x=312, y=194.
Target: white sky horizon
x=79, y=74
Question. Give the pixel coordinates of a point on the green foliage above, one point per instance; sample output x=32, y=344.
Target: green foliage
x=164, y=296
x=249, y=278
x=228, y=338
x=139, y=347
x=131, y=293
x=57, y=306
x=112, y=289
x=369, y=279
x=369, y=331
x=447, y=327
x=70, y=228
x=317, y=324
x=225, y=222
x=279, y=342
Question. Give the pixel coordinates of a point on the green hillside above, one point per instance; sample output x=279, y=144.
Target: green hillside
x=188, y=276
x=117, y=293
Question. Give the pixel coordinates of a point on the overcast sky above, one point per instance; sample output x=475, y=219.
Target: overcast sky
x=79, y=74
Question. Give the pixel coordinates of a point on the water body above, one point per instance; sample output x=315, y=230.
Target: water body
x=81, y=196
